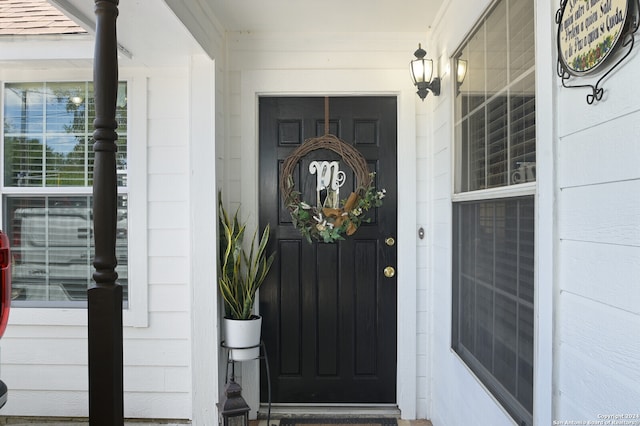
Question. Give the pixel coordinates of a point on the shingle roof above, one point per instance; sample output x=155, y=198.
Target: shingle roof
x=34, y=17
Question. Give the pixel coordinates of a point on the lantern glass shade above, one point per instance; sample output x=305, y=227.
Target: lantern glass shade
x=461, y=70
x=236, y=420
x=421, y=70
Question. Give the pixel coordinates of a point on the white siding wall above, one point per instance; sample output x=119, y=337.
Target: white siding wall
x=597, y=348
x=206, y=128
x=589, y=212
x=168, y=170
x=44, y=352
x=424, y=295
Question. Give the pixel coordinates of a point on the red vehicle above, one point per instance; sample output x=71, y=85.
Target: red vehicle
x=5, y=297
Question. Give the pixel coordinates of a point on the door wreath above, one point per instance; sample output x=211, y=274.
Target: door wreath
x=329, y=223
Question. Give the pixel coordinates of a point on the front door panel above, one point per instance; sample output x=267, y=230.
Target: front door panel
x=329, y=311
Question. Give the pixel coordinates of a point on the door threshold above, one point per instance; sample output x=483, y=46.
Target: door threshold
x=279, y=411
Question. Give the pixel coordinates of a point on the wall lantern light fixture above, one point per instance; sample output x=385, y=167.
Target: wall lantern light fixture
x=421, y=73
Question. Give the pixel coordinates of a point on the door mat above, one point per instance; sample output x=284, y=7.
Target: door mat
x=345, y=421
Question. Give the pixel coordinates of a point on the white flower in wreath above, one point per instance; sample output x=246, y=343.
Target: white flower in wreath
x=382, y=193
x=357, y=211
x=322, y=223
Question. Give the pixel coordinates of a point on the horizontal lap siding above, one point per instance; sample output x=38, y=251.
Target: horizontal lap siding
x=45, y=367
x=604, y=213
x=157, y=374
x=597, y=353
x=589, y=272
x=597, y=359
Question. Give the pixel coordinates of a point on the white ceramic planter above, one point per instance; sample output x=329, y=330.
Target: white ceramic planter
x=242, y=337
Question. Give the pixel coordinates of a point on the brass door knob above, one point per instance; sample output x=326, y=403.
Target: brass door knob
x=390, y=241
x=389, y=272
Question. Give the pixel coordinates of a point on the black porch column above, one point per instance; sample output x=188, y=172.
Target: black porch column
x=105, y=297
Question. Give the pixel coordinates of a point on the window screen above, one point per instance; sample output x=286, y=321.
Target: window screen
x=493, y=297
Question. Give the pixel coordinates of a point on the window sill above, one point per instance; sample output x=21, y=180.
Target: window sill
x=510, y=191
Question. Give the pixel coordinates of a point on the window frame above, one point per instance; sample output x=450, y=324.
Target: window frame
x=508, y=191
x=135, y=312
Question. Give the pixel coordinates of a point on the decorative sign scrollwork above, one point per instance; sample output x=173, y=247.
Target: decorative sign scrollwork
x=590, y=32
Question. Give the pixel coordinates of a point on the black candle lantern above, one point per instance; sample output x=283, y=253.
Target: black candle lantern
x=421, y=73
x=234, y=409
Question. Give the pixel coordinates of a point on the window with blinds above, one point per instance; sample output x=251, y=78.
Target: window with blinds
x=493, y=231
x=495, y=104
x=47, y=186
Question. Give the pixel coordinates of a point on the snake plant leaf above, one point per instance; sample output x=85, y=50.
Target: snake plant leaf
x=241, y=273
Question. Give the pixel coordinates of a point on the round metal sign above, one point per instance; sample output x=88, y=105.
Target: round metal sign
x=588, y=32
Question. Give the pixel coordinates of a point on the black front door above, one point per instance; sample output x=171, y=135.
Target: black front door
x=329, y=311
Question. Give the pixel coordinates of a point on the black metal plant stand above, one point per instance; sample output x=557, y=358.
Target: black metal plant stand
x=263, y=357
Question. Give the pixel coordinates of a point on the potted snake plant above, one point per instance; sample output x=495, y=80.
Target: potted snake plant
x=241, y=275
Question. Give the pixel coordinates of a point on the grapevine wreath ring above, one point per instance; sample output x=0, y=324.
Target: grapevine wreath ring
x=322, y=223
